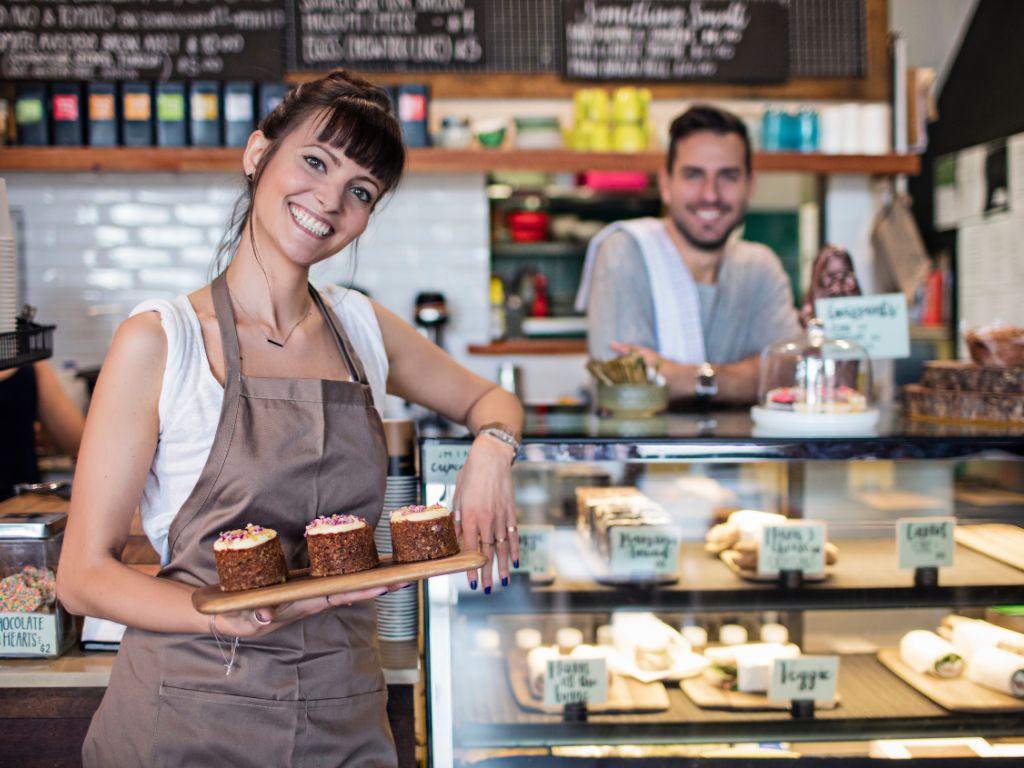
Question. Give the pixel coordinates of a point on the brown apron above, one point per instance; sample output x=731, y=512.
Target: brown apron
x=311, y=693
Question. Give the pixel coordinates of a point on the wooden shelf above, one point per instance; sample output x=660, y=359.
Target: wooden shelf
x=227, y=159
x=531, y=347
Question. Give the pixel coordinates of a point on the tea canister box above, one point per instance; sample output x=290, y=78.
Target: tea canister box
x=32, y=622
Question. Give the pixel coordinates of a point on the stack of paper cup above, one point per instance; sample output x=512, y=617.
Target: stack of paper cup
x=396, y=611
x=8, y=266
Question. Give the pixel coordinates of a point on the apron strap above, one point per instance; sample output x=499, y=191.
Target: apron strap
x=355, y=366
x=228, y=333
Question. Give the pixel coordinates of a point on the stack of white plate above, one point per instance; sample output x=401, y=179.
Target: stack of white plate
x=8, y=266
x=396, y=611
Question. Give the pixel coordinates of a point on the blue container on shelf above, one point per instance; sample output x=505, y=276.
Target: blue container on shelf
x=807, y=123
x=771, y=130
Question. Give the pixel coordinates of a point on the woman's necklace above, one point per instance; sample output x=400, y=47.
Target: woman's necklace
x=270, y=340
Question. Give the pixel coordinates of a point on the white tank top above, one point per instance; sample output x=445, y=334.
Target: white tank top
x=190, y=400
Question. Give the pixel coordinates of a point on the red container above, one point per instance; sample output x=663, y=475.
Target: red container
x=528, y=226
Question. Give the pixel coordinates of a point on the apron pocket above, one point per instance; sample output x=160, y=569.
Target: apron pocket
x=358, y=723
x=199, y=728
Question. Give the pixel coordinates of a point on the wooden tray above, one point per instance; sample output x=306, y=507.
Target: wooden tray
x=957, y=694
x=730, y=558
x=709, y=696
x=300, y=584
x=625, y=695
x=999, y=541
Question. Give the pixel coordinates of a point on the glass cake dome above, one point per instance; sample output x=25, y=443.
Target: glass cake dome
x=815, y=384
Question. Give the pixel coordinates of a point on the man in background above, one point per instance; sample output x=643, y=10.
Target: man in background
x=684, y=290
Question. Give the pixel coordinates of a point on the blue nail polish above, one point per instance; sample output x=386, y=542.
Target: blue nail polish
x=504, y=581
x=472, y=585
x=487, y=590
x=515, y=563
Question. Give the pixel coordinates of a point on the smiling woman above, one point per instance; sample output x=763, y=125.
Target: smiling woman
x=257, y=399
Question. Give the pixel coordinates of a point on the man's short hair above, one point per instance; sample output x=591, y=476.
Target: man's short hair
x=704, y=117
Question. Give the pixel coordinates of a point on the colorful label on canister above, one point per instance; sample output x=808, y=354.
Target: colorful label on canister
x=28, y=111
x=238, y=107
x=65, y=107
x=137, y=106
x=101, y=106
x=205, y=106
x=412, y=106
x=28, y=634
x=170, y=107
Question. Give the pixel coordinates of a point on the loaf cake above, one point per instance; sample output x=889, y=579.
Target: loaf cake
x=340, y=544
x=249, y=557
x=958, y=391
x=422, y=533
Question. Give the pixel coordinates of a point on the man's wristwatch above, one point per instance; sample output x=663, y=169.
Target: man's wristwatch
x=501, y=432
x=706, y=386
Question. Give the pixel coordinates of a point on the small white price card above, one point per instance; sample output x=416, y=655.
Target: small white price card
x=535, y=549
x=792, y=547
x=925, y=542
x=645, y=550
x=804, y=678
x=442, y=463
x=575, y=680
x=878, y=323
x=28, y=634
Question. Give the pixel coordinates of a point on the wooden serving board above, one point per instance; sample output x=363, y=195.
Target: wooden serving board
x=999, y=541
x=731, y=557
x=300, y=584
x=709, y=696
x=625, y=695
x=957, y=694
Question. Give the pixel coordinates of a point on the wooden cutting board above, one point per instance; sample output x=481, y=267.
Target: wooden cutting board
x=709, y=696
x=999, y=541
x=731, y=558
x=957, y=694
x=625, y=695
x=300, y=584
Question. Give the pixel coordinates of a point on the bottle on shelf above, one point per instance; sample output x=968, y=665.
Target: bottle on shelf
x=498, y=329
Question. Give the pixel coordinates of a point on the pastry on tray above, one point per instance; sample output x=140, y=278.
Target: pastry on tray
x=746, y=668
x=741, y=533
x=422, y=533
x=248, y=558
x=340, y=544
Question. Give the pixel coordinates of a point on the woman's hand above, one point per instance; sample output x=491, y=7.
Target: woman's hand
x=262, y=621
x=485, y=510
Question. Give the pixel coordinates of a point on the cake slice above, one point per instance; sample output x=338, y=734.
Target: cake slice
x=248, y=558
x=340, y=544
x=422, y=533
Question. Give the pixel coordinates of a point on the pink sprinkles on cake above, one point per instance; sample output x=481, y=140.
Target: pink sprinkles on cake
x=241, y=533
x=325, y=520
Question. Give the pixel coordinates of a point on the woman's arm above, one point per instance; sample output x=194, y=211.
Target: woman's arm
x=484, y=503
x=61, y=418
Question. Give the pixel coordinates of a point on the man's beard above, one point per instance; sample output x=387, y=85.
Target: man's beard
x=705, y=245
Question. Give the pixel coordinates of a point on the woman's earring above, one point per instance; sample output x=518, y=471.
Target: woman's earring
x=249, y=177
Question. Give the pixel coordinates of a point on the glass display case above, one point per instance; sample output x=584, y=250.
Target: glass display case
x=684, y=584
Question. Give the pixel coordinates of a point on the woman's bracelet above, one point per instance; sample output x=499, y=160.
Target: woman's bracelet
x=504, y=434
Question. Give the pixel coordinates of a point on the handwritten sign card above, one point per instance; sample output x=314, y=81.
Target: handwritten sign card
x=878, y=323
x=804, y=678
x=925, y=542
x=792, y=547
x=535, y=543
x=28, y=634
x=647, y=550
x=442, y=463
x=575, y=680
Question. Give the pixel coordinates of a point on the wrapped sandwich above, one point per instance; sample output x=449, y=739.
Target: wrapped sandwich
x=999, y=670
x=746, y=668
x=927, y=653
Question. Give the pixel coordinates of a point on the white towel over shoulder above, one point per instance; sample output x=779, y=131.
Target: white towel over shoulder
x=676, y=303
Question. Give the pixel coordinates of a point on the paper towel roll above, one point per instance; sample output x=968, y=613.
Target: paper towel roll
x=927, y=653
x=999, y=670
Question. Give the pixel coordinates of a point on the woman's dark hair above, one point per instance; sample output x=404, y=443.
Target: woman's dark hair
x=357, y=117
x=704, y=117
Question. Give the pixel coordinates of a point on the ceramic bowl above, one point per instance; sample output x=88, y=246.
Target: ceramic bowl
x=632, y=400
x=490, y=133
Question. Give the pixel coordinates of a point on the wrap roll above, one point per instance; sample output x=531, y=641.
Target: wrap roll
x=927, y=653
x=999, y=670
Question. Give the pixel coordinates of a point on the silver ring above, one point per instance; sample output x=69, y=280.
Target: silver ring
x=257, y=619
x=501, y=541
x=512, y=528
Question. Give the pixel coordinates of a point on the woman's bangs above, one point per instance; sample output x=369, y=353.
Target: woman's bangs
x=364, y=134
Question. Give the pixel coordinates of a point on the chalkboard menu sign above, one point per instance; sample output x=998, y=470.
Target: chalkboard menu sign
x=704, y=40
x=142, y=40
x=385, y=35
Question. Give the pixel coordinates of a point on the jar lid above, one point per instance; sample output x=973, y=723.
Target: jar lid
x=31, y=525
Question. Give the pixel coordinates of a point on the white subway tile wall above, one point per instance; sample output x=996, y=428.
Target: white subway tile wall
x=97, y=244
